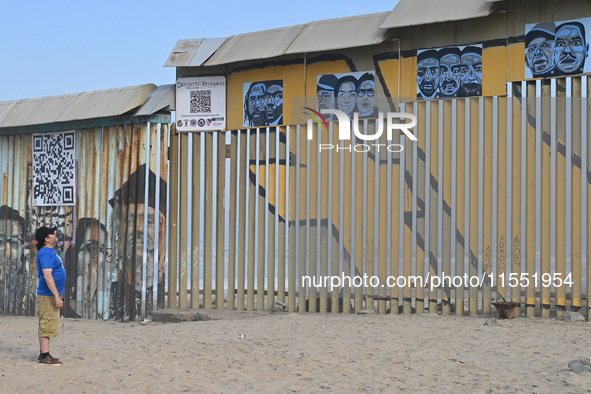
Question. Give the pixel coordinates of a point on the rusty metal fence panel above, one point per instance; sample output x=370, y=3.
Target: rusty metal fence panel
x=495, y=195
x=112, y=242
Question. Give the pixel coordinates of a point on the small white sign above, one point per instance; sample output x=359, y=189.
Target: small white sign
x=201, y=103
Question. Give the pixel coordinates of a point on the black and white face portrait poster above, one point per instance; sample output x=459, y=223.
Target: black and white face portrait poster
x=554, y=49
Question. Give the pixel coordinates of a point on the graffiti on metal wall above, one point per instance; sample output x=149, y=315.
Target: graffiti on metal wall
x=556, y=48
x=53, y=168
x=348, y=92
x=449, y=72
x=129, y=209
x=12, y=256
x=263, y=103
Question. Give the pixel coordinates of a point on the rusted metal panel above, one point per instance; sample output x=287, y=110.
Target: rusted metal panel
x=162, y=202
x=21, y=296
x=111, y=141
x=140, y=222
x=153, y=219
x=96, y=233
x=130, y=296
x=105, y=164
x=28, y=246
x=8, y=282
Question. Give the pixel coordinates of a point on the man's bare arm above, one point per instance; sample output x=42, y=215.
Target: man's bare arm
x=47, y=274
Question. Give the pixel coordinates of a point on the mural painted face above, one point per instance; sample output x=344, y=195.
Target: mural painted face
x=569, y=49
x=274, y=103
x=139, y=225
x=347, y=97
x=471, y=74
x=325, y=99
x=538, y=55
x=428, y=76
x=449, y=75
x=11, y=243
x=256, y=105
x=92, y=252
x=92, y=245
x=365, y=101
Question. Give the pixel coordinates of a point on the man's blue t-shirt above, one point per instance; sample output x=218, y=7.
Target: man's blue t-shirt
x=48, y=259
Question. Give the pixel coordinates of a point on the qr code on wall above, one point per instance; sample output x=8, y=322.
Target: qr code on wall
x=200, y=101
x=54, y=163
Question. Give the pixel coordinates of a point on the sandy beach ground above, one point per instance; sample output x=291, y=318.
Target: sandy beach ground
x=291, y=352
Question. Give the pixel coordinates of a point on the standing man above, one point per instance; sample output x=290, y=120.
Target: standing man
x=52, y=281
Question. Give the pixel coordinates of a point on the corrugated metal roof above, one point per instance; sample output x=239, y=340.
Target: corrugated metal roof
x=315, y=36
x=77, y=106
x=340, y=33
x=423, y=12
x=182, y=53
x=258, y=45
x=163, y=98
x=193, y=53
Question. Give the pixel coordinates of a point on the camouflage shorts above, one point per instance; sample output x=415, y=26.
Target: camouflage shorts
x=49, y=316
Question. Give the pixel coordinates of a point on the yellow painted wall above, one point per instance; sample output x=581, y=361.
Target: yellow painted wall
x=516, y=62
x=494, y=75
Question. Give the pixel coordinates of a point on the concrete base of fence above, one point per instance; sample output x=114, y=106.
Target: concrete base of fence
x=177, y=315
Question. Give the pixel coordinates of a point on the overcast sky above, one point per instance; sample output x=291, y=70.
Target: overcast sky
x=57, y=47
